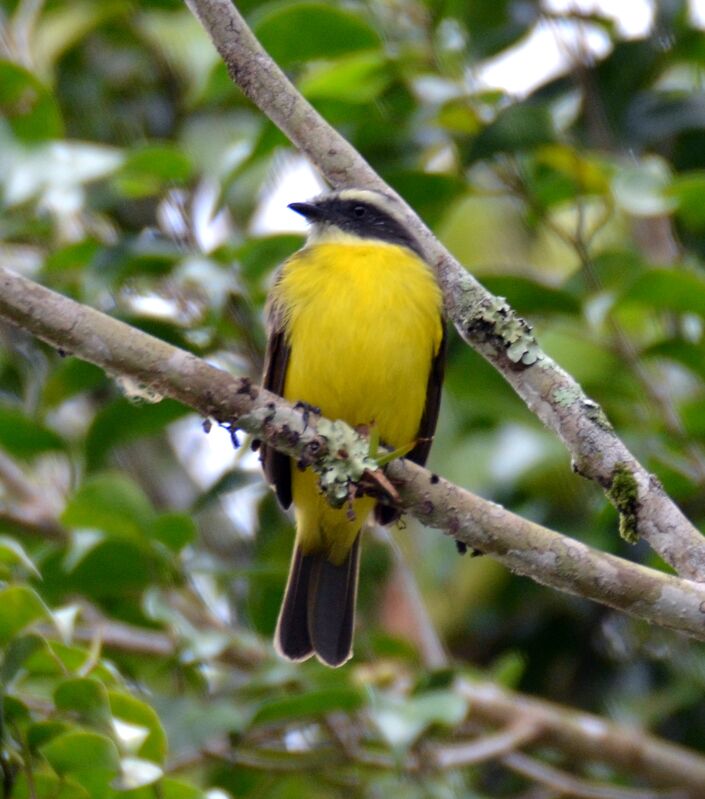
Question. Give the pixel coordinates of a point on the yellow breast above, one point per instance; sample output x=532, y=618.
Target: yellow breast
x=363, y=322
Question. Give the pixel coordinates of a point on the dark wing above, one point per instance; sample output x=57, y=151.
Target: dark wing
x=277, y=467
x=384, y=513
x=433, y=402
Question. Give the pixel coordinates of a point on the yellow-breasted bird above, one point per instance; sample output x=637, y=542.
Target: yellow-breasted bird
x=356, y=329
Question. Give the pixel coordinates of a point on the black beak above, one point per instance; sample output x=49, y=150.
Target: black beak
x=309, y=211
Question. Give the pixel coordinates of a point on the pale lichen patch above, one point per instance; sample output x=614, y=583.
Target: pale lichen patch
x=493, y=320
x=565, y=396
x=346, y=461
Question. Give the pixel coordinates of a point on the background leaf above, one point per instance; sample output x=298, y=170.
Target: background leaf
x=28, y=107
x=330, y=31
x=24, y=437
x=19, y=607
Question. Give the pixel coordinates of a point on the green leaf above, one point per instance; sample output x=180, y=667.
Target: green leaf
x=112, y=503
x=427, y=193
x=688, y=189
x=690, y=355
x=494, y=26
x=258, y=256
x=148, y=170
x=13, y=711
x=528, y=296
x=693, y=416
x=128, y=708
x=591, y=363
x=174, y=530
x=588, y=173
x=170, y=788
x=25, y=437
x=117, y=568
x=60, y=27
x=72, y=258
x=29, y=107
x=19, y=607
x=312, y=703
x=57, y=660
x=231, y=480
x=41, y=732
x=668, y=290
x=183, y=44
x=91, y=758
x=72, y=376
x=47, y=786
x=329, y=32
x=143, y=257
x=612, y=269
x=358, y=78
x=458, y=116
x=123, y=421
x=19, y=650
x=643, y=190
x=508, y=669
x=85, y=698
x=191, y=722
x=12, y=554
x=402, y=720
x=522, y=126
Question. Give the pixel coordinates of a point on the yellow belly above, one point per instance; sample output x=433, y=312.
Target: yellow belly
x=363, y=322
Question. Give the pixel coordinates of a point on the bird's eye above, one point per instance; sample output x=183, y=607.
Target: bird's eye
x=359, y=211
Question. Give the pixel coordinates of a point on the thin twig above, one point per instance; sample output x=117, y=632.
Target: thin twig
x=432, y=651
x=129, y=638
x=569, y=786
x=484, y=747
x=14, y=479
x=28, y=509
x=33, y=524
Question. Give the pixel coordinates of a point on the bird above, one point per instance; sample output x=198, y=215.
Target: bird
x=356, y=330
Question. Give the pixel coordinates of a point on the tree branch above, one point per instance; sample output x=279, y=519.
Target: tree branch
x=25, y=506
x=568, y=785
x=484, y=321
x=587, y=737
x=526, y=548
x=484, y=747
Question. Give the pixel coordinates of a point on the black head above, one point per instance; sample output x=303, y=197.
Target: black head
x=365, y=214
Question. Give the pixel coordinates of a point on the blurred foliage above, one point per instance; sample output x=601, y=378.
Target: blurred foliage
x=141, y=561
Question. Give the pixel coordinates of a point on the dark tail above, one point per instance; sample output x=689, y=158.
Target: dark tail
x=318, y=611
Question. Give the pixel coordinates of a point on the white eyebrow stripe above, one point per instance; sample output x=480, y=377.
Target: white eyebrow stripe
x=375, y=198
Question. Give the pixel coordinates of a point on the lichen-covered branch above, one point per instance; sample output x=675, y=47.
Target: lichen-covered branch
x=527, y=548
x=548, y=557
x=484, y=321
